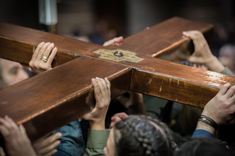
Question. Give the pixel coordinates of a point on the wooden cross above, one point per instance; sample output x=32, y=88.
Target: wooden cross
x=56, y=97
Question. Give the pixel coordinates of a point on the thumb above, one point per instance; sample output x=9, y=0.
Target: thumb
x=118, y=39
x=193, y=59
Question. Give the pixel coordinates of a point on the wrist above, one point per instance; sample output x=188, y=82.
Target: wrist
x=214, y=64
x=97, y=125
x=211, y=115
x=206, y=127
x=207, y=120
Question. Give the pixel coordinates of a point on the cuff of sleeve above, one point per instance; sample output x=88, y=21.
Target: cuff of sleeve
x=227, y=71
x=202, y=133
x=97, y=139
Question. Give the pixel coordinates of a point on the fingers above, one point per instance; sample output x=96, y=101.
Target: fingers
x=96, y=88
x=42, y=51
x=108, y=86
x=120, y=115
x=51, y=153
x=103, y=87
x=49, y=149
x=4, y=131
x=9, y=128
x=230, y=92
x=47, y=145
x=46, y=50
x=22, y=129
x=200, y=45
x=35, y=53
x=44, y=142
x=196, y=36
x=224, y=89
x=52, y=55
x=116, y=41
x=102, y=91
x=99, y=91
x=193, y=34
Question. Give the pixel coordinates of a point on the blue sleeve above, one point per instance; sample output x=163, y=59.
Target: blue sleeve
x=71, y=142
x=202, y=133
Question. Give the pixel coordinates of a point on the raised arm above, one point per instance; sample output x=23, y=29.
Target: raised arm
x=97, y=136
x=218, y=111
x=202, y=54
x=16, y=139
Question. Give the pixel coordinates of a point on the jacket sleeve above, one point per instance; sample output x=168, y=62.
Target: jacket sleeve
x=227, y=71
x=96, y=142
x=202, y=133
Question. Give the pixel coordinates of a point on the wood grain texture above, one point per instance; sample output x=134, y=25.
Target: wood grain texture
x=165, y=39
x=17, y=44
x=57, y=97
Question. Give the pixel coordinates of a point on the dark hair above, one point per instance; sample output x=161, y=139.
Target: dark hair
x=203, y=146
x=142, y=136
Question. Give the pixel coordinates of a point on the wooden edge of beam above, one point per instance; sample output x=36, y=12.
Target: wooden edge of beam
x=174, y=88
x=22, y=52
x=60, y=105
x=184, y=48
x=72, y=108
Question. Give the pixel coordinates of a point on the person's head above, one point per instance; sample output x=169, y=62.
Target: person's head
x=227, y=56
x=203, y=146
x=11, y=73
x=139, y=136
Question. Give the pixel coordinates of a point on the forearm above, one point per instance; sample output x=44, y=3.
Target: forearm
x=215, y=65
x=203, y=126
x=136, y=98
x=94, y=125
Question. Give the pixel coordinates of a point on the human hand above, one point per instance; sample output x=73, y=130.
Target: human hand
x=102, y=96
x=221, y=108
x=37, y=63
x=16, y=139
x=46, y=146
x=202, y=53
x=117, y=117
x=117, y=41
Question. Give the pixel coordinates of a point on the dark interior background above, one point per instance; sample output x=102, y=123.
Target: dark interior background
x=99, y=20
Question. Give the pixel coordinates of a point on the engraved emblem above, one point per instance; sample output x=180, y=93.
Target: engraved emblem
x=118, y=55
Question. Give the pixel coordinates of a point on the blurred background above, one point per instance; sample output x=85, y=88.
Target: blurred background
x=97, y=21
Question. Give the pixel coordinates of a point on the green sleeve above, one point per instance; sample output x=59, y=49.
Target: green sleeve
x=96, y=142
x=227, y=71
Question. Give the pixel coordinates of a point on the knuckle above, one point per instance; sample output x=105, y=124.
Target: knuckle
x=232, y=88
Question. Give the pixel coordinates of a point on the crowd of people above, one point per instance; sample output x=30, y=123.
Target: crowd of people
x=128, y=131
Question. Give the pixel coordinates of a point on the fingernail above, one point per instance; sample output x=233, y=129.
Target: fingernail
x=52, y=44
x=185, y=33
x=58, y=142
x=93, y=81
x=59, y=134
